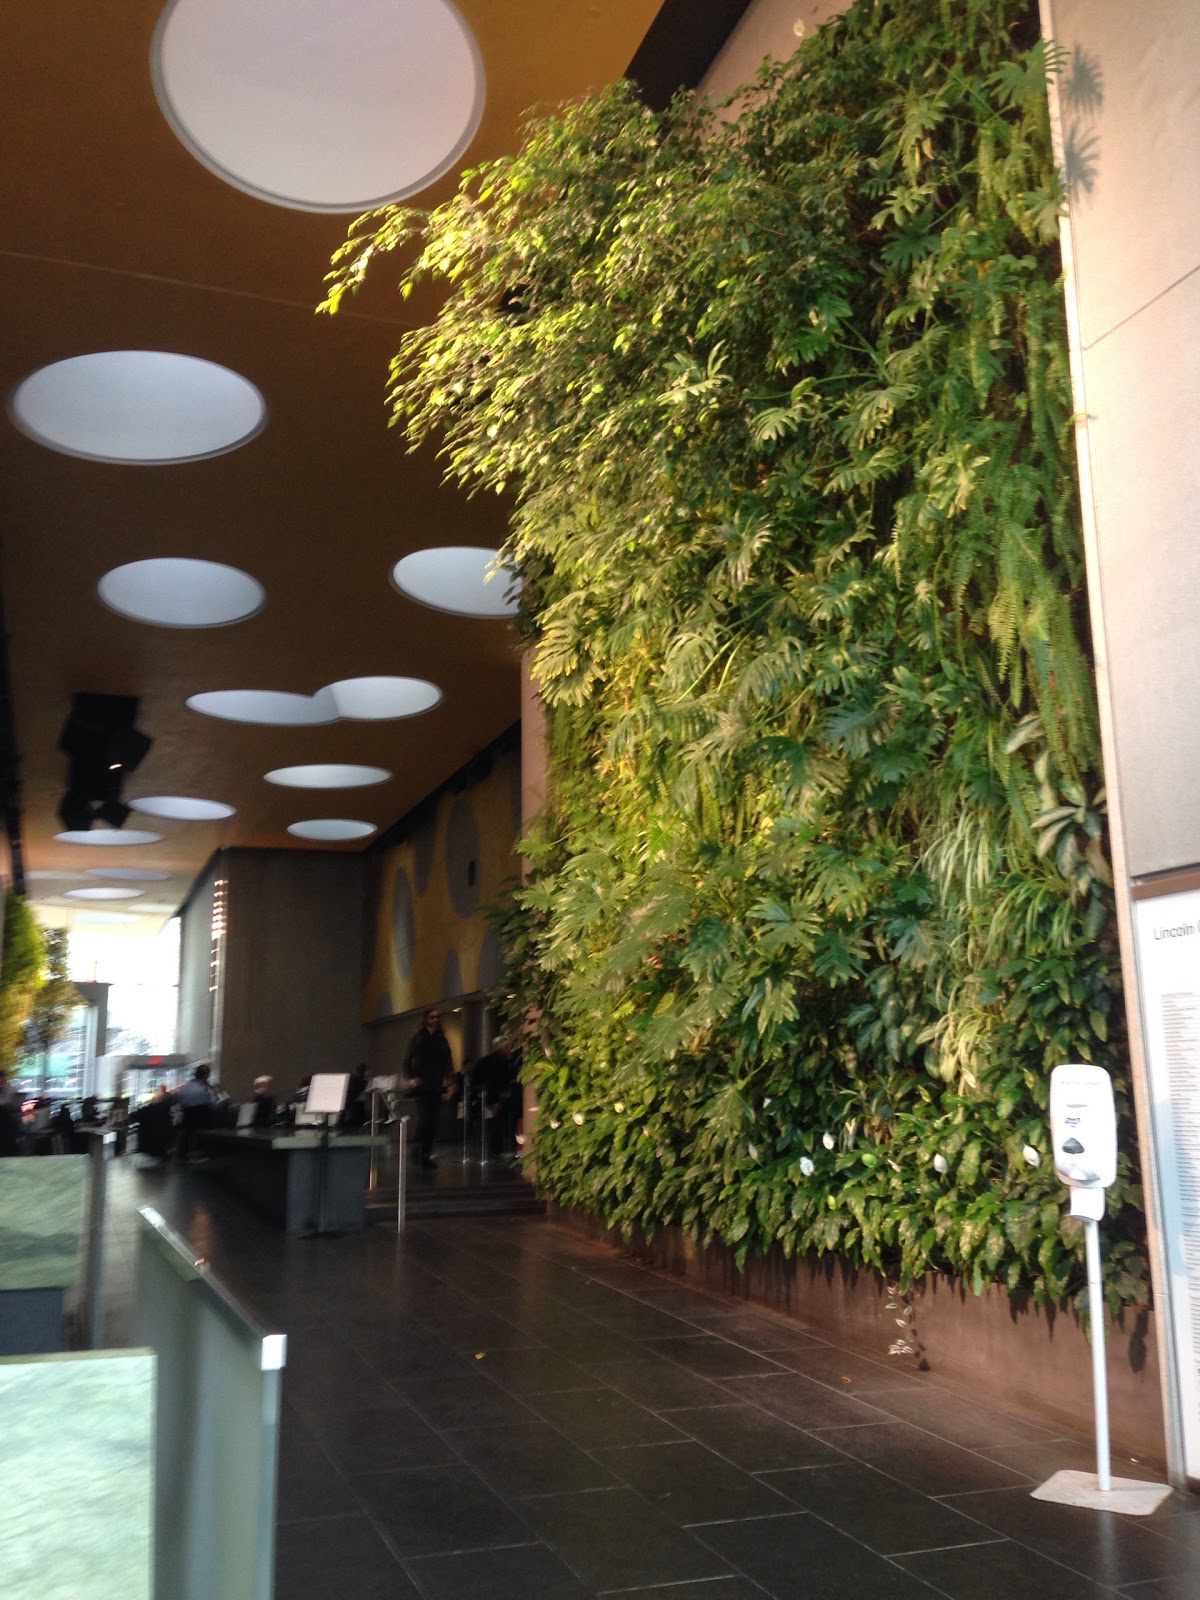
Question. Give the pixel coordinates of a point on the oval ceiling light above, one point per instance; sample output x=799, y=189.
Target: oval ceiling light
x=460, y=578
x=126, y=874
x=331, y=828
x=327, y=775
x=316, y=106
x=177, y=592
x=270, y=706
x=141, y=408
x=181, y=808
x=377, y=699
x=108, y=836
x=104, y=894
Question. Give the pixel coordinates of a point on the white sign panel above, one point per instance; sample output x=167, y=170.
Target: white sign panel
x=327, y=1093
x=1168, y=947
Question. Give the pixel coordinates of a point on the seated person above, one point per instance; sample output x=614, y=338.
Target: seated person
x=155, y=1125
x=196, y=1102
x=11, y=1126
x=263, y=1101
x=63, y=1124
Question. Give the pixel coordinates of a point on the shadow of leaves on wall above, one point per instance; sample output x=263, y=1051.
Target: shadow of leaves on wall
x=1083, y=98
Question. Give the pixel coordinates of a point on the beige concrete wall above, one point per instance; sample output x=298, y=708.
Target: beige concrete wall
x=1128, y=108
x=768, y=28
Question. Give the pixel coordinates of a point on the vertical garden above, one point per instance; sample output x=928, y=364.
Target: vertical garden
x=820, y=895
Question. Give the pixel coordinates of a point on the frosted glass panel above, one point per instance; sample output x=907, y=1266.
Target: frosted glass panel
x=218, y=1425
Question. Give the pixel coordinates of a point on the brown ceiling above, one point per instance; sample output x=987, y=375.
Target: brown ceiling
x=115, y=237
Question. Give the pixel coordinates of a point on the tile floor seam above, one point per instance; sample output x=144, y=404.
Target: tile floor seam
x=374, y=1277
x=936, y=1549
x=1043, y=1555
x=677, y=1583
x=559, y=1494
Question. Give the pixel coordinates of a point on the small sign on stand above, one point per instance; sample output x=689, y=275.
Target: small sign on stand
x=1083, y=1132
x=326, y=1099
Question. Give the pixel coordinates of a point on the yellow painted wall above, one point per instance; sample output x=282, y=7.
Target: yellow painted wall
x=428, y=940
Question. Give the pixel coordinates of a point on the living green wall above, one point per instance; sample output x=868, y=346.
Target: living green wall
x=821, y=894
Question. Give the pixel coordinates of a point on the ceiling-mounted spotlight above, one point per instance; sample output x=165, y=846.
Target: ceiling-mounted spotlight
x=113, y=812
x=75, y=811
x=102, y=745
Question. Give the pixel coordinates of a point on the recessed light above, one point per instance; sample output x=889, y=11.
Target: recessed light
x=299, y=103
x=178, y=592
x=127, y=874
x=181, y=809
x=143, y=408
x=377, y=699
x=463, y=579
x=269, y=706
x=371, y=699
x=104, y=894
x=106, y=916
x=108, y=836
x=327, y=775
x=331, y=828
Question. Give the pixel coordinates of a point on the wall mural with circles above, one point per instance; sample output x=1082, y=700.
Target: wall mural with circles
x=430, y=940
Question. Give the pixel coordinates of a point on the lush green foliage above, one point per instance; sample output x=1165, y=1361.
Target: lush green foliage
x=20, y=975
x=821, y=894
x=56, y=997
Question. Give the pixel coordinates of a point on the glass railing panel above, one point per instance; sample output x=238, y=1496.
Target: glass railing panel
x=218, y=1424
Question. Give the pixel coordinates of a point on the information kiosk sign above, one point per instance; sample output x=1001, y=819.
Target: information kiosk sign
x=1167, y=935
x=327, y=1093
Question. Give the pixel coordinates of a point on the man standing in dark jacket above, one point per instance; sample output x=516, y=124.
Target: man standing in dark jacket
x=428, y=1068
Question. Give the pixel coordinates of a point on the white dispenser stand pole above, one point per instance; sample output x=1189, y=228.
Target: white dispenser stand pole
x=1099, y=1371
x=1083, y=1133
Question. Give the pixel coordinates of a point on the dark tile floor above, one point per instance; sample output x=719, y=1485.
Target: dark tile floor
x=495, y=1409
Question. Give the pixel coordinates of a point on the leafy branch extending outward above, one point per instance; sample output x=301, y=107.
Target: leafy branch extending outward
x=821, y=892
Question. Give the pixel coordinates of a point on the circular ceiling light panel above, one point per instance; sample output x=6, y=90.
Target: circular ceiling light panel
x=126, y=874
x=181, y=809
x=377, y=699
x=328, y=828
x=104, y=894
x=142, y=408
x=108, y=836
x=317, y=106
x=460, y=578
x=268, y=706
x=176, y=592
x=327, y=775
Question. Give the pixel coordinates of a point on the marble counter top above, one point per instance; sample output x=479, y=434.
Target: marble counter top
x=77, y=1465
x=41, y=1220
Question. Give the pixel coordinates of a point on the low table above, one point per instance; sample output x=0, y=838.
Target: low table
x=279, y=1173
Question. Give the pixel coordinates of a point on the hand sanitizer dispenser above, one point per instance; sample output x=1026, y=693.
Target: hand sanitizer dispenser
x=1083, y=1133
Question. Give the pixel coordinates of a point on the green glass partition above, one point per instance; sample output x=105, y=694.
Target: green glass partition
x=77, y=1476
x=218, y=1425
